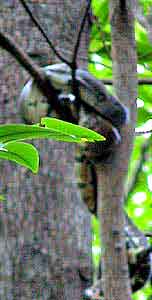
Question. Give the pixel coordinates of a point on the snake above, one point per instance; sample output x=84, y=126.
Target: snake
x=103, y=113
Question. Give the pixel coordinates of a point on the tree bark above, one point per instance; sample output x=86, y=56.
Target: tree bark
x=45, y=240
x=111, y=175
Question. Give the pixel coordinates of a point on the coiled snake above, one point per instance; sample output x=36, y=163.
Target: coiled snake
x=108, y=118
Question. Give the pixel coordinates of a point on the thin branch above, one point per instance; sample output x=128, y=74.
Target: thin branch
x=147, y=67
x=43, y=82
x=145, y=81
x=141, y=81
x=37, y=24
x=148, y=234
x=40, y=54
x=122, y=6
x=74, y=58
x=7, y=43
x=76, y=48
x=66, y=52
x=143, y=132
x=98, y=63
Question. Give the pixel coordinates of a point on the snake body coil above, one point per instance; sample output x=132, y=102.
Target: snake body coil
x=98, y=111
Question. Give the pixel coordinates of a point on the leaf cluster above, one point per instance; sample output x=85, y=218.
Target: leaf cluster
x=11, y=136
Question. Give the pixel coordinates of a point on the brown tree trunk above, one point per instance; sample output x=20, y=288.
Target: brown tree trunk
x=45, y=236
x=111, y=175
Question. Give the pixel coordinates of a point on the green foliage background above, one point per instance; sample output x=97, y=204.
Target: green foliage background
x=138, y=202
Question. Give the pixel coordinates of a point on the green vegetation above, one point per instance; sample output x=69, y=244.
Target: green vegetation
x=11, y=147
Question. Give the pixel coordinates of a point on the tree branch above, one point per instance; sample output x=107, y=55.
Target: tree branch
x=143, y=132
x=43, y=82
x=141, y=81
x=111, y=175
x=148, y=234
x=76, y=48
x=39, y=27
x=75, y=87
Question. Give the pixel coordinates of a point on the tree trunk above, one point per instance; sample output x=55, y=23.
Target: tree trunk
x=111, y=175
x=45, y=240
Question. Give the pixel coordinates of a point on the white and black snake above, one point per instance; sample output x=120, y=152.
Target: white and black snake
x=109, y=119
x=112, y=115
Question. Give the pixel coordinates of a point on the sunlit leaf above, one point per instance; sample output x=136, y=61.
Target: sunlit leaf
x=53, y=129
x=74, y=132
x=21, y=153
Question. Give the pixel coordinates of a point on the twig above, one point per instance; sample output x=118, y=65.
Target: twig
x=7, y=43
x=122, y=6
x=148, y=234
x=143, y=132
x=76, y=48
x=74, y=58
x=145, y=81
x=40, y=54
x=43, y=82
x=37, y=24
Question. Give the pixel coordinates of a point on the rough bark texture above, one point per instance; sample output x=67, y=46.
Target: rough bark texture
x=112, y=174
x=45, y=232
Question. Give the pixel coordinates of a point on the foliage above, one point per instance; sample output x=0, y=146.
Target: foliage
x=139, y=199
x=26, y=154
x=146, y=4
x=21, y=153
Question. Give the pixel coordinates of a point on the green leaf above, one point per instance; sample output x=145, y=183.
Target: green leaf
x=146, y=4
x=55, y=129
x=21, y=153
x=76, y=133
x=143, y=116
x=100, y=9
x=144, y=46
x=10, y=132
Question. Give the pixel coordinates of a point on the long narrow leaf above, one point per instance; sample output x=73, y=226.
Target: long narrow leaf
x=21, y=153
x=54, y=129
x=75, y=131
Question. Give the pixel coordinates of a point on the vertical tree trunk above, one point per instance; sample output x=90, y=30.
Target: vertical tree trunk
x=112, y=175
x=45, y=237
